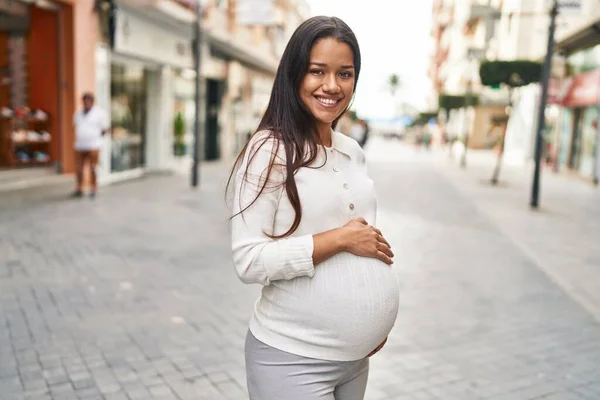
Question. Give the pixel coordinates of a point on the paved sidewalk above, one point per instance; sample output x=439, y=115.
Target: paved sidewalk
x=562, y=237
x=133, y=296
x=28, y=178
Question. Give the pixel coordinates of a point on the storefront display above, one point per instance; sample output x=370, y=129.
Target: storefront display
x=128, y=116
x=584, y=61
x=184, y=113
x=31, y=118
x=585, y=139
x=579, y=95
x=566, y=129
x=25, y=138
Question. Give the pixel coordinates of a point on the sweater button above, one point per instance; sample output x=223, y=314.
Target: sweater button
x=335, y=169
x=345, y=186
x=351, y=206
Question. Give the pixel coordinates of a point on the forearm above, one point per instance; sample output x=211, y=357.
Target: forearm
x=327, y=244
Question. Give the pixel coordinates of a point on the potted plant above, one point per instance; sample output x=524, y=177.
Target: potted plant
x=179, y=132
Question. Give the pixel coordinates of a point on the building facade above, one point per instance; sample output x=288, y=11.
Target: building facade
x=462, y=33
x=44, y=66
x=151, y=93
x=467, y=32
x=574, y=135
x=571, y=135
x=137, y=57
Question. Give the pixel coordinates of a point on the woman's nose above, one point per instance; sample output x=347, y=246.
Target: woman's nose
x=331, y=84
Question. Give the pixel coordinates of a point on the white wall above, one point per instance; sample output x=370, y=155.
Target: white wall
x=102, y=62
x=526, y=36
x=159, y=125
x=522, y=123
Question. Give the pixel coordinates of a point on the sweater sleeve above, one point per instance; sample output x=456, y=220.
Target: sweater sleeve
x=258, y=258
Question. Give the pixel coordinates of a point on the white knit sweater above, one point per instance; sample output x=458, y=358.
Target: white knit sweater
x=338, y=310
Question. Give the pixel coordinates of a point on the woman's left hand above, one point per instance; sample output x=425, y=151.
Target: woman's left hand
x=378, y=348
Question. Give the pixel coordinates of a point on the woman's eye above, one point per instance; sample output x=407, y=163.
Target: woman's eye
x=346, y=74
x=316, y=72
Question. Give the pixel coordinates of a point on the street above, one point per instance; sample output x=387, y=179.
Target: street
x=133, y=295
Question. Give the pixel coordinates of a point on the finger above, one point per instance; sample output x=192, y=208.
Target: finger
x=382, y=238
x=384, y=257
x=361, y=220
x=385, y=249
x=376, y=350
x=381, y=345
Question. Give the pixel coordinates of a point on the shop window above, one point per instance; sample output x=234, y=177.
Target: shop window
x=184, y=108
x=587, y=141
x=128, y=116
x=584, y=60
x=565, y=137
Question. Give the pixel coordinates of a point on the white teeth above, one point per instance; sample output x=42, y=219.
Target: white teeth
x=328, y=102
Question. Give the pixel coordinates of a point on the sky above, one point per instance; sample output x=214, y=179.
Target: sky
x=394, y=37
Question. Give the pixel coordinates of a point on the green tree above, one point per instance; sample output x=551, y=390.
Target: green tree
x=424, y=117
x=394, y=84
x=451, y=102
x=509, y=74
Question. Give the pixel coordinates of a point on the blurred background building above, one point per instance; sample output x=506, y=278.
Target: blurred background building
x=136, y=56
x=468, y=32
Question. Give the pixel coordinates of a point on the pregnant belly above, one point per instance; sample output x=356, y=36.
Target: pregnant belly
x=350, y=304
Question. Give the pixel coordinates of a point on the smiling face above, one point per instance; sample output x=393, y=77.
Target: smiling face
x=327, y=87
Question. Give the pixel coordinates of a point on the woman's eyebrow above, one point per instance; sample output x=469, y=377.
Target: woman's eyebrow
x=321, y=64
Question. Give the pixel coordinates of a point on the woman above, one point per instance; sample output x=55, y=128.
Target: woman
x=302, y=207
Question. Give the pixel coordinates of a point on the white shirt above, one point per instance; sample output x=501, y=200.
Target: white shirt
x=89, y=127
x=343, y=308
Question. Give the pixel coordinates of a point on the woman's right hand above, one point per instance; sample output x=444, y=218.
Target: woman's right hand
x=364, y=240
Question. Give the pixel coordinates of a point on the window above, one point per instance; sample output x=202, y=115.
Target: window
x=128, y=116
x=583, y=61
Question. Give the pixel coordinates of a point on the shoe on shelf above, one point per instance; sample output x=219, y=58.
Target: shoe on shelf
x=77, y=194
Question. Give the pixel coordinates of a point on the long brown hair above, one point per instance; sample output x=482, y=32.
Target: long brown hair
x=288, y=120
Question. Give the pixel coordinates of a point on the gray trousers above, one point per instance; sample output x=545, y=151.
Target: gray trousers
x=276, y=375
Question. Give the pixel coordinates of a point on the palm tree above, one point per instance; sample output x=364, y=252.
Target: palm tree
x=394, y=84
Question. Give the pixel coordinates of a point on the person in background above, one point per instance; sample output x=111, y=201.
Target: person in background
x=367, y=130
x=357, y=131
x=91, y=123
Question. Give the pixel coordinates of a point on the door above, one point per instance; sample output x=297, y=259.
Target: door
x=214, y=92
x=5, y=144
x=575, y=140
x=4, y=71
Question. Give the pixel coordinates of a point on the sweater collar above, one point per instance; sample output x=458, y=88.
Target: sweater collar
x=340, y=143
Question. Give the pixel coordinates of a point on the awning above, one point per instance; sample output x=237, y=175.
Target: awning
x=586, y=37
x=181, y=19
x=580, y=90
x=236, y=51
